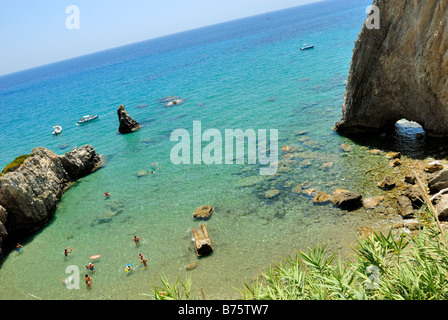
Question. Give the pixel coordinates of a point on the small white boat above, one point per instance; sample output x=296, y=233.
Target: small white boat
x=87, y=118
x=306, y=48
x=57, y=130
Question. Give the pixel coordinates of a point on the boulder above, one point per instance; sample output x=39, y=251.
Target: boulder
x=433, y=167
x=127, y=124
x=322, y=198
x=395, y=163
x=405, y=207
x=371, y=203
x=393, y=155
x=414, y=193
x=438, y=181
x=442, y=208
x=387, y=183
x=347, y=200
x=409, y=179
x=203, y=212
x=375, y=152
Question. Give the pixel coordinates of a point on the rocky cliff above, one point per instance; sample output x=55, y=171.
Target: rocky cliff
x=29, y=195
x=400, y=70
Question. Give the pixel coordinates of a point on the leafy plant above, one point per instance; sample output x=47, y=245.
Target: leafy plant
x=16, y=163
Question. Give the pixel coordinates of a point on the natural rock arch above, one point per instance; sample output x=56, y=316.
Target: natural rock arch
x=400, y=70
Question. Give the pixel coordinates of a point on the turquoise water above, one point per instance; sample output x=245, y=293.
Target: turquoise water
x=245, y=74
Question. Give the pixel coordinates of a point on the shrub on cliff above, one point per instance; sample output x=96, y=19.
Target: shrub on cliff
x=16, y=163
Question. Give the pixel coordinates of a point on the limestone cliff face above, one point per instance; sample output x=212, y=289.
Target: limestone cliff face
x=30, y=194
x=400, y=70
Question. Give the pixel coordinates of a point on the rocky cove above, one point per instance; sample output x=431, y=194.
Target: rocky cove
x=381, y=186
x=30, y=193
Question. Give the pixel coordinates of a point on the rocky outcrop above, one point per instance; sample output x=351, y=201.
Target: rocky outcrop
x=30, y=194
x=347, y=200
x=127, y=124
x=400, y=70
x=438, y=181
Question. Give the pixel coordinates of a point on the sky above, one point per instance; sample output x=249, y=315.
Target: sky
x=35, y=33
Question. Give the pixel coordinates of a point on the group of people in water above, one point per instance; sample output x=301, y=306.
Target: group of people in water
x=91, y=266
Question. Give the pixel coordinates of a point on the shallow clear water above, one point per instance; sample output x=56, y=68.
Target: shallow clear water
x=246, y=74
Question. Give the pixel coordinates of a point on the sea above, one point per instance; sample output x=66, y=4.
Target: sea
x=247, y=74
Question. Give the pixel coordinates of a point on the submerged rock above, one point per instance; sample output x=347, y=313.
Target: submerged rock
x=345, y=147
x=322, y=198
x=372, y=203
x=203, y=212
x=30, y=194
x=142, y=173
x=272, y=193
x=191, y=266
x=127, y=124
x=387, y=183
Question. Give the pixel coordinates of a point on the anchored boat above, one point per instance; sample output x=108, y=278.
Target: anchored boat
x=57, y=130
x=87, y=118
x=306, y=48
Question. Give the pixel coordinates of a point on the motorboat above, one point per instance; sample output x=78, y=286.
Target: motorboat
x=306, y=48
x=57, y=130
x=87, y=118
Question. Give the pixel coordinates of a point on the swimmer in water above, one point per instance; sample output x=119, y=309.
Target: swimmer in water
x=144, y=261
x=137, y=240
x=128, y=268
x=90, y=266
x=88, y=280
x=67, y=251
x=106, y=194
x=19, y=247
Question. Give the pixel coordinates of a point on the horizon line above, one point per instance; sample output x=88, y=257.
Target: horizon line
x=154, y=38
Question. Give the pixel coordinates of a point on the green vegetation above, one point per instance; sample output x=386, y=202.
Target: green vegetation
x=16, y=163
x=392, y=266
x=178, y=291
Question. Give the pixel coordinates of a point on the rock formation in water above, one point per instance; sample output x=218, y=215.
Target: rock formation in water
x=127, y=124
x=400, y=70
x=29, y=195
